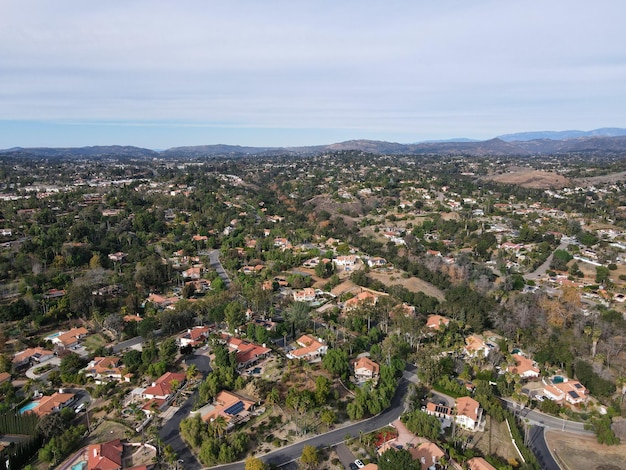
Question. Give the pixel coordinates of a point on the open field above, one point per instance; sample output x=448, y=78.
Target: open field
x=93, y=342
x=414, y=284
x=494, y=440
x=531, y=179
x=576, y=452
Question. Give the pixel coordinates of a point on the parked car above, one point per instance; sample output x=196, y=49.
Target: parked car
x=359, y=464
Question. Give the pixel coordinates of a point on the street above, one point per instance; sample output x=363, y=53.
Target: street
x=541, y=419
x=290, y=453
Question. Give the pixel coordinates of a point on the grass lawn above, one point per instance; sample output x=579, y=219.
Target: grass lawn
x=93, y=342
x=107, y=431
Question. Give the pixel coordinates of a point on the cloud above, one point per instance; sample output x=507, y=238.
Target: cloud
x=360, y=65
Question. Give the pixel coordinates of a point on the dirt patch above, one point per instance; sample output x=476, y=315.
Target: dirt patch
x=531, y=179
x=413, y=284
x=107, y=431
x=573, y=452
x=494, y=440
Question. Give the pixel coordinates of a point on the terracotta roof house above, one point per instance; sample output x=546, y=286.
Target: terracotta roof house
x=468, y=413
x=563, y=389
x=228, y=405
x=440, y=411
x=524, y=367
x=69, y=338
x=475, y=346
x=365, y=369
x=193, y=336
x=361, y=298
x=246, y=353
x=310, y=349
x=106, y=456
x=305, y=295
x=26, y=357
x=193, y=273
x=370, y=466
x=104, y=369
x=478, y=463
x=436, y=322
x=427, y=454
x=161, y=301
x=163, y=387
x=5, y=377
x=51, y=403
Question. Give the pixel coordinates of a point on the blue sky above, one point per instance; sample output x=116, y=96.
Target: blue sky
x=160, y=74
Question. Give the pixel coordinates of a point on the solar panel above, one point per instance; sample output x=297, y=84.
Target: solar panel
x=578, y=386
x=573, y=394
x=234, y=409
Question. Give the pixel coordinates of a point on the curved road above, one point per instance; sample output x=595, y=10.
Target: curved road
x=538, y=418
x=170, y=432
x=287, y=454
x=214, y=262
x=539, y=447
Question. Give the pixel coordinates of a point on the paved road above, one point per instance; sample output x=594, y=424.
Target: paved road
x=540, y=272
x=129, y=343
x=539, y=447
x=288, y=454
x=170, y=431
x=541, y=419
x=214, y=262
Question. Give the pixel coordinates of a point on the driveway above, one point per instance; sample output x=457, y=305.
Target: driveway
x=134, y=343
x=344, y=454
x=55, y=362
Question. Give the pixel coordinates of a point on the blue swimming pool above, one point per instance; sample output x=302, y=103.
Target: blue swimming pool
x=28, y=406
x=80, y=465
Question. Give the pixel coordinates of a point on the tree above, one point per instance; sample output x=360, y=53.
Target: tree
x=336, y=362
x=602, y=274
x=298, y=315
x=309, y=458
x=397, y=459
x=253, y=463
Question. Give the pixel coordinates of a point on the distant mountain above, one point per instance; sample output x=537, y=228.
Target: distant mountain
x=447, y=141
x=599, y=140
x=98, y=151
x=563, y=135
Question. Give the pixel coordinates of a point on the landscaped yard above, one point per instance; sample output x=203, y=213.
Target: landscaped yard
x=93, y=342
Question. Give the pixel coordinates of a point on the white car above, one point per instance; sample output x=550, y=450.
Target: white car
x=359, y=464
x=540, y=397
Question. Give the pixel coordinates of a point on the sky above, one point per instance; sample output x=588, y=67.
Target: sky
x=162, y=73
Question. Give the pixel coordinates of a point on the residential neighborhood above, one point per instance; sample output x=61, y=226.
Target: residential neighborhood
x=194, y=313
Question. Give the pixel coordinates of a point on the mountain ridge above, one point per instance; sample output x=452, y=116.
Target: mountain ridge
x=507, y=145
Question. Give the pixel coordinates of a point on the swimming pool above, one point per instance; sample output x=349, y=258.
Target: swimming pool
x=80, y=465
x=53, y=335
x=28, y=406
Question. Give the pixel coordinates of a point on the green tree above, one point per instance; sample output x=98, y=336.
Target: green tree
x=336, y=362
x=309, y=459
x=397, y=459
x=253, y=463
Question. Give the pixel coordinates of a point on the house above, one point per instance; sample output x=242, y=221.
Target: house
x=345, y=260
x=365, y=369
x=310, y=349
x=31, y=355
x=376, y=262
x=362, y=298
x=51, y=403
x=161, y=301
x=468, y=413
x=229, y=405
x=561, y=389
x=117, y=257
x=427, y=454
x=436, y=322
x=440, y=411
x=104, y=369
x=194, y=273
x=246, y=353
x=69, y=339
x=193, y=336
x=164, y=386
x=4, y=377
x=305, y=295
x=475, y=346
x=524, y=367
x=105, y=456
x=478, y=463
